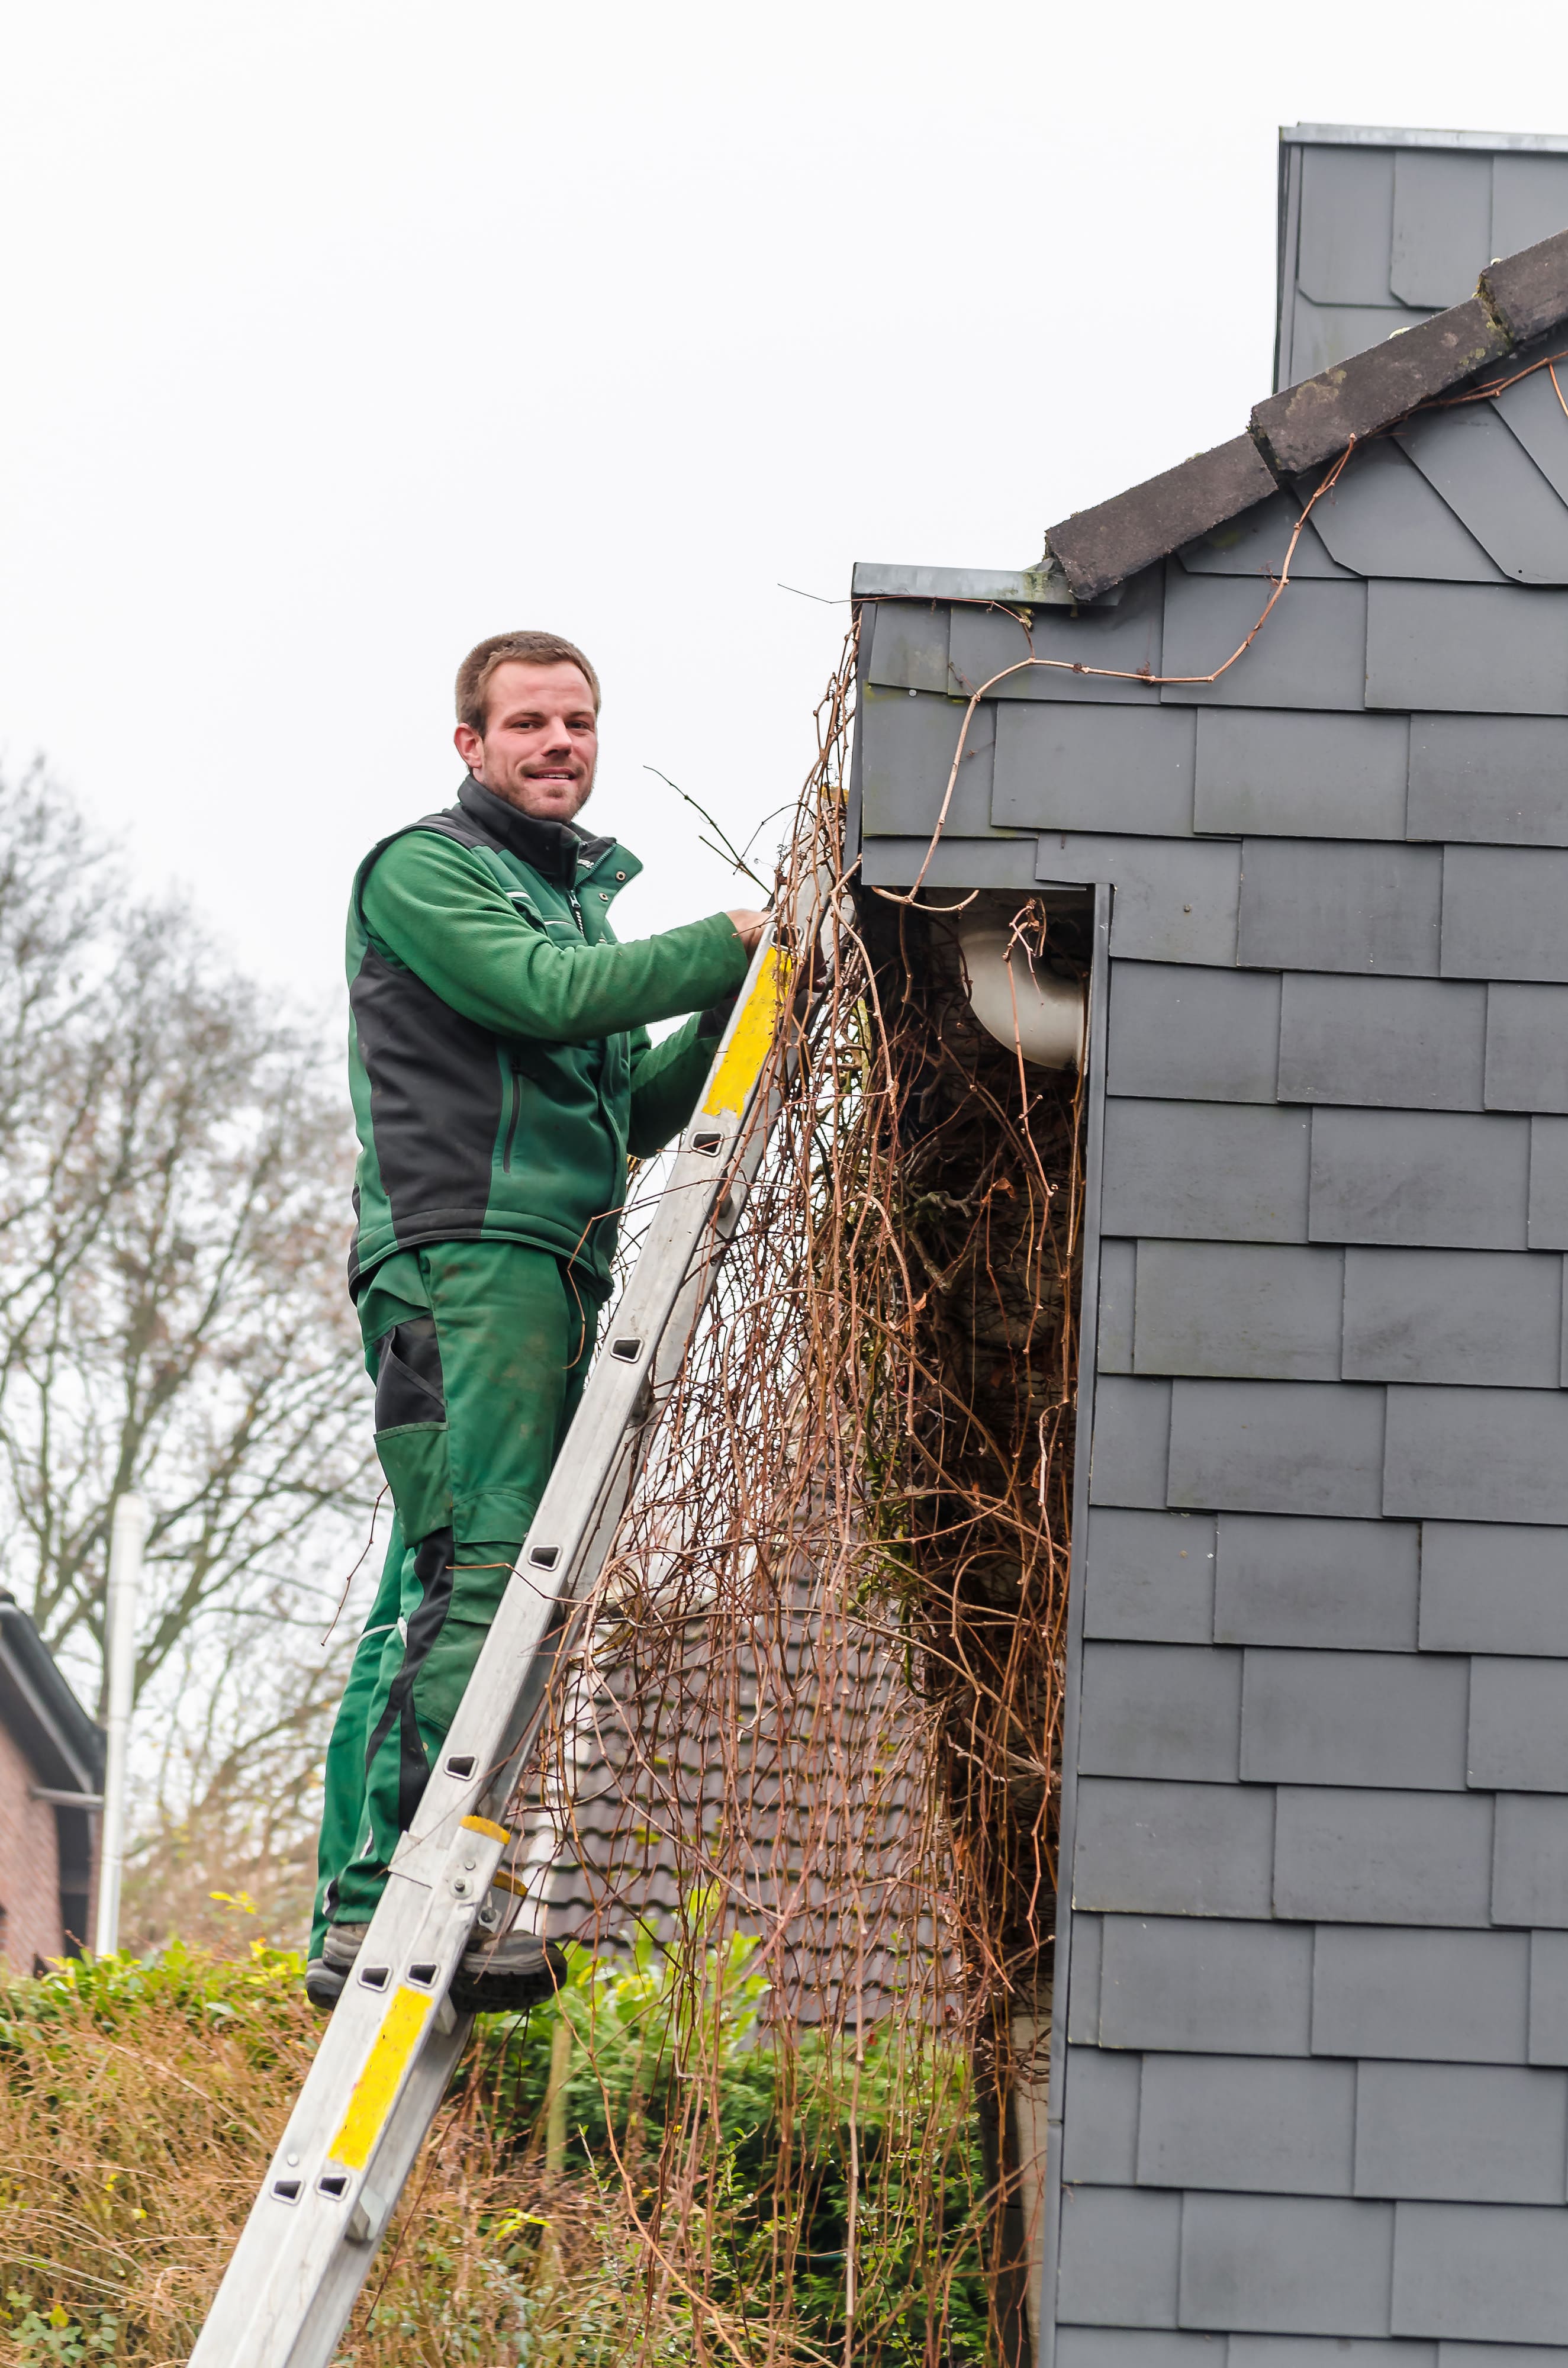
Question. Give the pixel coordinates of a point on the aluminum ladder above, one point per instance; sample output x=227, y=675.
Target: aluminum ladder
x=395, y=2038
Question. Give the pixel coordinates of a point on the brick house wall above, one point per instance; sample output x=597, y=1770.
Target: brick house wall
x=30, y=1925
x=48, y=1848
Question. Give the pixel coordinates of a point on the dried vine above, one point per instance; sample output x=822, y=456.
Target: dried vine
x=818, y=1714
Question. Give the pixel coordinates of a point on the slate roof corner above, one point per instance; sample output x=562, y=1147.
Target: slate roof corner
x=1518, y=298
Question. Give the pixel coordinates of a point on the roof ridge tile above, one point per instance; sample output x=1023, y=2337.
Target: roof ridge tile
x=1518, y=298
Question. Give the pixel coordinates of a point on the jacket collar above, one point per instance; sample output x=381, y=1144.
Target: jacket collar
x=557, y=850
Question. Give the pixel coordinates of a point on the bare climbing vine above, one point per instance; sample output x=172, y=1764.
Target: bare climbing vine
x=811, y=1745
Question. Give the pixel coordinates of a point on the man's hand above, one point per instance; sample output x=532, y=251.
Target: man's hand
x=748, y=927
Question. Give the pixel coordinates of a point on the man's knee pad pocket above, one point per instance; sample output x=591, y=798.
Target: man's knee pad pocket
x=411, y=1427
x=410, y=1387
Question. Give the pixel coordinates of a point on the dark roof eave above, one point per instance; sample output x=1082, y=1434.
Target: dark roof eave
x=54, y=1731
x=1516, y=299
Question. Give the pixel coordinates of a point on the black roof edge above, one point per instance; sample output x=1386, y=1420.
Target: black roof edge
x=1516, y=299
x=60, y=1740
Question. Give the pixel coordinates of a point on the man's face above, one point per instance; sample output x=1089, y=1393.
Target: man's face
x=540, y=740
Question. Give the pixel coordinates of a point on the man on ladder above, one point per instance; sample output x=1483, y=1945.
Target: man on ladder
x=501, y=1074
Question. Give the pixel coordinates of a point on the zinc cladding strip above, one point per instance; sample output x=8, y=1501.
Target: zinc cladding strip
x=394, y=2038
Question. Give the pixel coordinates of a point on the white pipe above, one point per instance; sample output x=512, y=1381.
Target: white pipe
x=1024, y=1006
x=127, y=1540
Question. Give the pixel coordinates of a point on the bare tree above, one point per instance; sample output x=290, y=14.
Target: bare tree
x=175, y=1162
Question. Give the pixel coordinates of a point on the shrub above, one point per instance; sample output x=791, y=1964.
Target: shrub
x=546, y=2221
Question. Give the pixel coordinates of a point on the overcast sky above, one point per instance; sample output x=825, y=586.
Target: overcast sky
x=338, y=336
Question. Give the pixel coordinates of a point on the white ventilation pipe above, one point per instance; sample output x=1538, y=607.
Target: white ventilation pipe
x=1025, y=1007
x=126, y=1540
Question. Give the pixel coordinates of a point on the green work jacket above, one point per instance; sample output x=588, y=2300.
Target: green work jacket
x=498, y=1054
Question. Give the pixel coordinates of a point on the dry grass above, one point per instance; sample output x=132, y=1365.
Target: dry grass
x=139, y=2105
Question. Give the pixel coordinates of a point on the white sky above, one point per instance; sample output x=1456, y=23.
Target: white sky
x=340, y=335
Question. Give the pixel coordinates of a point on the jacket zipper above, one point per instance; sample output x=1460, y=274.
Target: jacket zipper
x=517, y=1111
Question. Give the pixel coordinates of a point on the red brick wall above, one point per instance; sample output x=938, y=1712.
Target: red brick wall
x=30, y=1865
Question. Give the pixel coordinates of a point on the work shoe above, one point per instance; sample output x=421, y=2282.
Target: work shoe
x=504, y=1975
x=499, y=1975
x=324, y=1984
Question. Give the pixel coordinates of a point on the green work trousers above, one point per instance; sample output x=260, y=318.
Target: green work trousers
x=479, y=1351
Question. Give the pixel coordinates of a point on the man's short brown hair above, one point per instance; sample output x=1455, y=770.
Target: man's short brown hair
x=532, y=649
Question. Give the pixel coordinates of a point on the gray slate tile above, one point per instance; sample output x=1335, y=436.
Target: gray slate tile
x=1346, y=1856
x=1327, y=2351
x=1397, y=1043
x=1172, y=1849
x=1191, y=1034
x=1312, y=652
x=1279, y=771
x=1383, y=518
x=1479, y=649
x=1099, y=2129
x=1527, y=1048
x=1487, y=478
x=1489, y=2133
x=1277, y=1447
x=1354, y=1718
x=1442, y=226
x=1311, y=2265
x=909, y=645
x=1339, y=906
x=1519, y=1725
x=1477, y=1455
x=1488, y=2272
x=1255, y=543
x=1121, y=639
x=1488, y=1318
x=1347, y=235
x=1548, y=1184
x=1174, y=900
x=1162, y=1710
x=1531, y=1875
x=1213, y=1171
x=1504, y=912
x=1549, y=1995
x=1530, y=406
x=908, y=741
x=1204, y=1985
x=1143, y=2347
x=1131, y=1442
x=1529, y=201
x=1490, y=1588
x=1260, y=1309
x=1256, y=2122
x=1113, y=1352
x=1501, y=2355
x=1096, y=769
x=1457, y=1998
x=1083, y=1980
x=1120, y=2251
x=1427, y=1178
x=1499, y=779
x=1316, y=1583
x=1150, y=1574
x=997, y=862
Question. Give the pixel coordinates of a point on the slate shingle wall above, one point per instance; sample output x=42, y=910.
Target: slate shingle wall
x=1375, y=237
x=1315, y=2104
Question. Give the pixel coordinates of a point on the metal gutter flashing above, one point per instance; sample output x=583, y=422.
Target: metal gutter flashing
x=1034, y=588
x=1378, y=136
